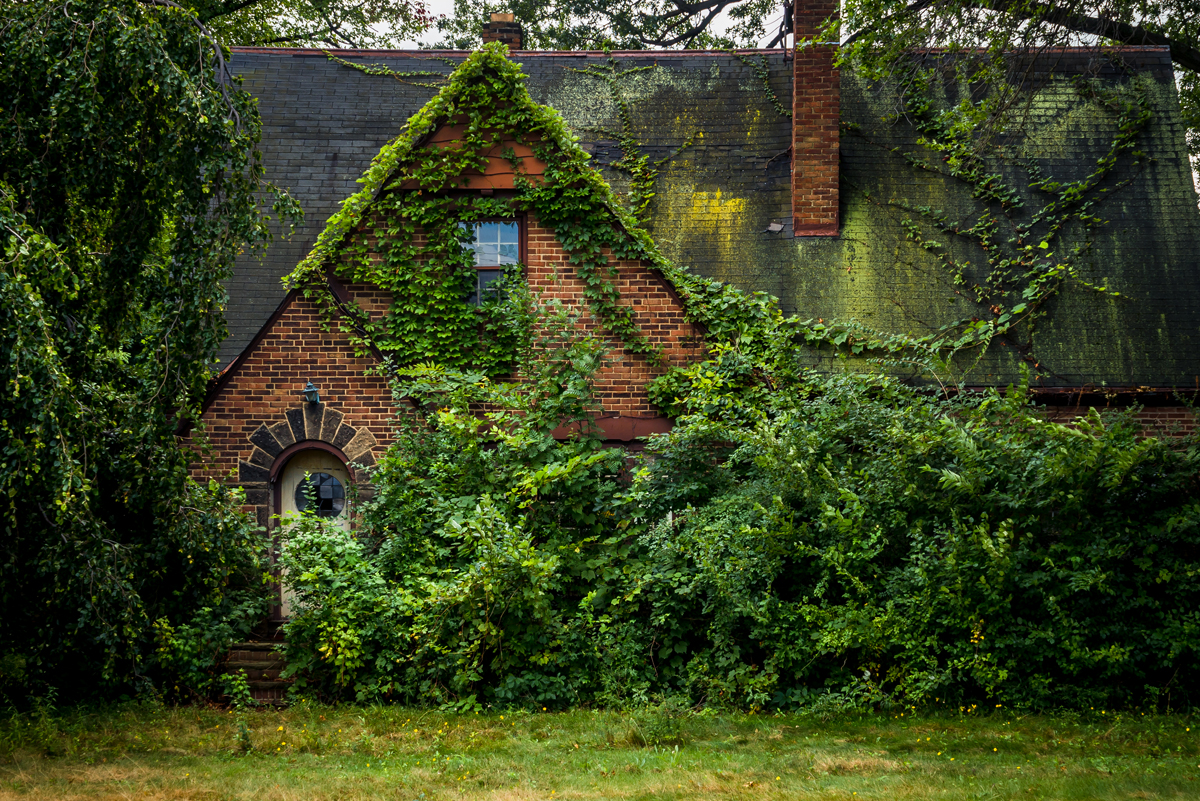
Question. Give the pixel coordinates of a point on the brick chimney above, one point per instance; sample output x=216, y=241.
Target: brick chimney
x=503, y=28
x=816, y=104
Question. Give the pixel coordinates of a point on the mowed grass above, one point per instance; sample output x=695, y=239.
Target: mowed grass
x=314, y=752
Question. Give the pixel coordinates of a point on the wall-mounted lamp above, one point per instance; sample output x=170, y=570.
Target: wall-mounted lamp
x=310, y=393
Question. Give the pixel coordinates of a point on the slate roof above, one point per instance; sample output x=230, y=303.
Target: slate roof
x=324, y=121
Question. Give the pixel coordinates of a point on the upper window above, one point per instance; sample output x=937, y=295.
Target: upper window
x=496, y=244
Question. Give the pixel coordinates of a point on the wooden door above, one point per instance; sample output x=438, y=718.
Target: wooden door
x=330, y=482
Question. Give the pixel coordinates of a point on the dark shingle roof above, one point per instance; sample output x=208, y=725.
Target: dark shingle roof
x=324, y=121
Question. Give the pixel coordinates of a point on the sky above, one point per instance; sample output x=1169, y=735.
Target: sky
x=446, y=7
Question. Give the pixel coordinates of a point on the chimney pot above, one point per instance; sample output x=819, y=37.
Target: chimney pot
x=503, y=28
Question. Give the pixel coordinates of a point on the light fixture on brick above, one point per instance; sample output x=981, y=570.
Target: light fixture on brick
x=310, y=393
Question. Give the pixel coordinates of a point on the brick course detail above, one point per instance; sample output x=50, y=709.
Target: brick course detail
x=1155, y=421
x=657, y=310
x=257, y=412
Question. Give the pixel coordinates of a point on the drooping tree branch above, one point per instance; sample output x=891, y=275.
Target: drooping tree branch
x=1182, y=53
x=221, y=69
x=225, y=9
x=678, y=29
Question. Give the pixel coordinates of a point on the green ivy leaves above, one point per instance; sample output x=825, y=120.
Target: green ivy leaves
x=129, y=183
x=401, y=232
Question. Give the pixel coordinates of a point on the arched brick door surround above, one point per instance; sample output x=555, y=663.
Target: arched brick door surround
x=312, y=422
x=313, y=425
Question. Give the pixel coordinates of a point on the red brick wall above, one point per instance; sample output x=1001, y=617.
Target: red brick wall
x=657, y=310
x=257, y=413
x=1156, y=421
x=816, y=107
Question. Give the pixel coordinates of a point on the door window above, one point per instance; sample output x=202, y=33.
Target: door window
x=326, y=492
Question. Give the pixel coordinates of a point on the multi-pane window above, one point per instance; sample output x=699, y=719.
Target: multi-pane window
x=496, y=244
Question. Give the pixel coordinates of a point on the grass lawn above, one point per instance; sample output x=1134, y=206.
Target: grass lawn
x=311, y=752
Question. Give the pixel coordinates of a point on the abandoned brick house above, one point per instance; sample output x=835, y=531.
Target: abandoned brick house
x=775, y=173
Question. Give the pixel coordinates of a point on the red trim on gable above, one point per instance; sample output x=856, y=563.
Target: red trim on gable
x=620, y=428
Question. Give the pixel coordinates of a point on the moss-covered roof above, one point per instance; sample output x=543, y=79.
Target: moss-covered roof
x=324, y=121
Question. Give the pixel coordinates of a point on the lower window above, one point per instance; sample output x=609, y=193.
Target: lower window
x=495, y=245
x=326, y=492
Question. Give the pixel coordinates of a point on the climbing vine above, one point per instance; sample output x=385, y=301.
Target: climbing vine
x=1030, y=248
x=403, y=77
x=643, y=172
x=404, y=232
x=762, y=70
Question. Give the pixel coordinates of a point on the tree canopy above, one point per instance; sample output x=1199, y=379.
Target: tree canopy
x=312, y=23
x=129, y=182
x=624, y=24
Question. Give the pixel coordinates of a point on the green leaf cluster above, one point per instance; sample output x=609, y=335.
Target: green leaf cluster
x=849, y=537
x=799, y=540
x=484, y=550
x=404, y=231
x=128, y=182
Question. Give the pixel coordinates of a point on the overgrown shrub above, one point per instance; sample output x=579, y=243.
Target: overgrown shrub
x=129, y=183
x=851, y=534
x=799, y=540
x=472, y=571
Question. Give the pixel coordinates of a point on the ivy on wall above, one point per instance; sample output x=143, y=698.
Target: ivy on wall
x=762, y=71
x=404, y=231
x=1022, y=248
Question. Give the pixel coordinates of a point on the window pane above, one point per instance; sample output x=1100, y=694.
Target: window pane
x=327, y=492
x=488, y=232
x=486, y=254
x=496, y=243
x=486, y=279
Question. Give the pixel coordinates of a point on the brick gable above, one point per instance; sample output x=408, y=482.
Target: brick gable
x=256, y=418
x=255, y=414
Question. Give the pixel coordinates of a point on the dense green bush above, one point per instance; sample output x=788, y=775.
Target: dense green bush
x=129, y=182
x=478, y=548
x=862, y=537
x=800, y=539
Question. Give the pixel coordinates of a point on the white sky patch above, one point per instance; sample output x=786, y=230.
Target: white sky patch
x=438, y=8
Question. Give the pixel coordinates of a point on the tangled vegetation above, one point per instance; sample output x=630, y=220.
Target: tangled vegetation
x=127, y=186
x=799, y=539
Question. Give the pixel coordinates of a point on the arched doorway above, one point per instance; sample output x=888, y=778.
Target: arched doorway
x=325, y=476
